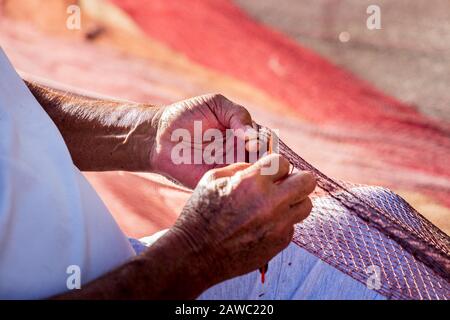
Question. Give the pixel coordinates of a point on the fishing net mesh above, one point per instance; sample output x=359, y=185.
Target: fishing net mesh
x=371, y=234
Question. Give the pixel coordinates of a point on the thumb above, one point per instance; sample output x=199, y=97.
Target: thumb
x=239, y=118
x=227, y=171
x=232, y=115
x=236, y=117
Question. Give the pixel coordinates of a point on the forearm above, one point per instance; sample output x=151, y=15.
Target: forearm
x=101, y=135
x=167, y=270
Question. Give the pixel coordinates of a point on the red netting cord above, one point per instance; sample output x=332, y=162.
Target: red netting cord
x=353, y=227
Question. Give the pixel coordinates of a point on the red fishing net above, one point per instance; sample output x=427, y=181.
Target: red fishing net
x=368, y=232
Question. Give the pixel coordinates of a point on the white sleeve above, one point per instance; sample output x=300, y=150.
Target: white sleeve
x=50, y=217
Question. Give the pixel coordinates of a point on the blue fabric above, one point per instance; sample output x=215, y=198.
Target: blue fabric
x=137, y=245
x=294, y=274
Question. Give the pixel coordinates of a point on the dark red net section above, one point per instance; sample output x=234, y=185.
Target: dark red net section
x=368, y=232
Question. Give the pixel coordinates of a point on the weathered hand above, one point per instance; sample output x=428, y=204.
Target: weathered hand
x=213, y=112
x=237, y=219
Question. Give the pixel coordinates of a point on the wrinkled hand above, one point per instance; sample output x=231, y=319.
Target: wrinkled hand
x=215, y=112
x=237, y=219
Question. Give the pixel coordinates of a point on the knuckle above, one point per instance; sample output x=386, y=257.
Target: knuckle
x=304, y=209
x=242, y=110
x=213, y=99
x=253, y=186
x=304, y=183
x=309, y=204
x=221, y=183
x=218, y=97
x=211, y=175
x=309, y=180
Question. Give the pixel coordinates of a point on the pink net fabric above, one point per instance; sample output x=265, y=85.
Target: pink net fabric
x=367, y=231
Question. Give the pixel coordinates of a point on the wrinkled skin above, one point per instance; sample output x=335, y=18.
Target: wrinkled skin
x=238, y=219
x=215, y=112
